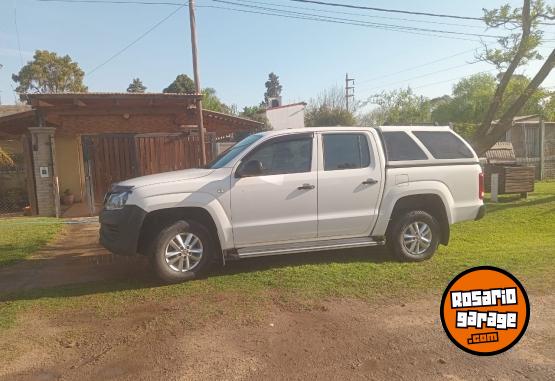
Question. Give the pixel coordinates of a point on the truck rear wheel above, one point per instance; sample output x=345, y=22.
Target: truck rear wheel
x=182, y=251
x=414, y=236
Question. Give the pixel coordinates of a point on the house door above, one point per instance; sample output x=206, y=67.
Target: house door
x=108, y=159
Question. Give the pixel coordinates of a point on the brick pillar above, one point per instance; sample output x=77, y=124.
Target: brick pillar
x=43, y=168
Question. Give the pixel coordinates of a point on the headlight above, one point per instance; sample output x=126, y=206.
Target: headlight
x=116, y=199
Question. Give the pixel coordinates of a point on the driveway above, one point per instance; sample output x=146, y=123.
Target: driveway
x=75, y=256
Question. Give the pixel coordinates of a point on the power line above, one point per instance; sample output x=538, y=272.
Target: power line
x=113, y=2
x=302, y=16
x=400, y=27
x=339, y=22
x=136, y=40
x=439, y=82
x=452, y=79
x=17, y=35
x=388, y=10
x=362, y=14
x=423, y=76
x=415, y=67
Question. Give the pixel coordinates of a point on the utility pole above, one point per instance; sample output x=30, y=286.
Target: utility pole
x=200, y=121
x=349, y=90
x=1, y=66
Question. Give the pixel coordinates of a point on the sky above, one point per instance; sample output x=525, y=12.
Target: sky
x=237, y=50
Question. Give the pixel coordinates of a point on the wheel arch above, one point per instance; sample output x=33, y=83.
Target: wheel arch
x=431, y=203
x=158, y=219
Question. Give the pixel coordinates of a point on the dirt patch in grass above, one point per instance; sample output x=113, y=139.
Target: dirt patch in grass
x=264, y=338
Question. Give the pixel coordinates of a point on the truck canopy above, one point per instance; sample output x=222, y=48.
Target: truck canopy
x=424, y=146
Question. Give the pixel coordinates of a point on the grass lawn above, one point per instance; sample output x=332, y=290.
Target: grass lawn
x=22, y=236
x=516, y=235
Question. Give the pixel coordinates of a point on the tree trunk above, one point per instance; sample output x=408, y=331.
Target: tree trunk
x=486, y=141
x=507, y=75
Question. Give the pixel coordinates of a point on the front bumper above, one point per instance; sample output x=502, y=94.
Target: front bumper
x=481, y=213
x=120, y=229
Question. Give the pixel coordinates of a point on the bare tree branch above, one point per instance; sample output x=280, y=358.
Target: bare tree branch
x=505, y=122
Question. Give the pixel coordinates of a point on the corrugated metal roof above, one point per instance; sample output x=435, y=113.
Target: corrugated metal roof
x=501, y=153
x=72, y=94
x=13, y=109
x=534, y=118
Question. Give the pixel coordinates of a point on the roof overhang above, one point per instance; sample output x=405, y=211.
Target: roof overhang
x=16, y=124
x=78, y=100
x=90, y=104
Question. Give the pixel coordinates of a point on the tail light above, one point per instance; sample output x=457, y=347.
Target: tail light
x=481, y=185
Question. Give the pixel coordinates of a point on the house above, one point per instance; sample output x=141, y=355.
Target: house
x=84, y=142
x=282, y=117
x=533, y=141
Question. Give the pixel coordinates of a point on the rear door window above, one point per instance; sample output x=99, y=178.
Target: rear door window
x=400, y=146
x=345, y=151
x=444, y=145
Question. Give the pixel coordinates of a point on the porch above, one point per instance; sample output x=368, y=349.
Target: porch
x=79, y=144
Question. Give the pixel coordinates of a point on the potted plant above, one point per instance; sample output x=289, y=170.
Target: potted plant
x=68, y=198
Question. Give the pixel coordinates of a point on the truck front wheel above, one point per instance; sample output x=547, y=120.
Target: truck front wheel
x=182, y=251
x=414, y=236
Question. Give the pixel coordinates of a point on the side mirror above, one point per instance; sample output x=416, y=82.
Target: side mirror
x=250, y=168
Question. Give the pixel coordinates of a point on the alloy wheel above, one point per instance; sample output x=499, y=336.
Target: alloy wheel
x=184, y=252
x=417, y=238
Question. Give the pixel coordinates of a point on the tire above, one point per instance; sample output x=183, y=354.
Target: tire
x=399, y=238
x=170, y=258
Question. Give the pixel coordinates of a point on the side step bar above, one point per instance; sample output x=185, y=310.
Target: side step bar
x=303, y=247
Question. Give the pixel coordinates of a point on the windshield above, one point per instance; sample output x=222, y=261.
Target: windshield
x=231, y=153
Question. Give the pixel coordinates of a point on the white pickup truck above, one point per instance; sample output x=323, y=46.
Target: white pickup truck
x=299, y=190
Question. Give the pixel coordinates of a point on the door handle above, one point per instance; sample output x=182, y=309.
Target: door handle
x=306, y=186
x=370, y=181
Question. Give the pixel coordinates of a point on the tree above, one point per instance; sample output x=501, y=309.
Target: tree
x=549, y=107
x=273, y=87
x=398, y=107
x=469, y=102
x=50, y=73
x=472, y=96
x=328, y=109
x=136, y=86
x=514, y=50
x=326, y=116
x=211, y=102
x=257, y=113
x=181, y=85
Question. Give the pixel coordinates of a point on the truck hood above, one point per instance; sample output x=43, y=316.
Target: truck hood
x=166, y=177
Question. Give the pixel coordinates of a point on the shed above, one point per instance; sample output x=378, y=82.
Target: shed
x=84, y=142
x=533, y=141
x=512, y=177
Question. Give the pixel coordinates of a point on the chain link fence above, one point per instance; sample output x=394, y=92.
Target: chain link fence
x=13, y=187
